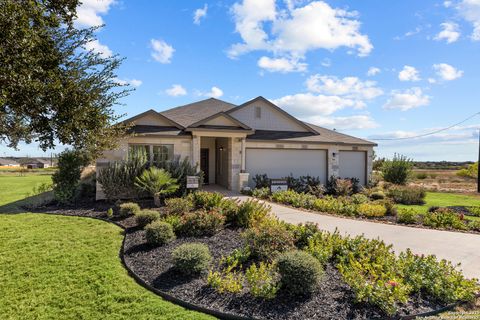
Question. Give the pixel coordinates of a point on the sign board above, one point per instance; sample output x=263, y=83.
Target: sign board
x=193, y=182
x=277, y=185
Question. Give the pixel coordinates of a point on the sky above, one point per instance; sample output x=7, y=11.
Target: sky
x=374, y=69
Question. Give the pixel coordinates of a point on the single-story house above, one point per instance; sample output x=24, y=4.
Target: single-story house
x=37, y=163
x=7, y=162
x=232, y=143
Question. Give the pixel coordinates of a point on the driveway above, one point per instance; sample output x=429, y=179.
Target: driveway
x=457, y=247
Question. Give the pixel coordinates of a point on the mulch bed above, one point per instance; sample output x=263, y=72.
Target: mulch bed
x=332, y=300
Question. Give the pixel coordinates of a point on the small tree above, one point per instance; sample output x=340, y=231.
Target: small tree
x=157, y=182
x=67, y=178
x=471, y=171
x=397, y=170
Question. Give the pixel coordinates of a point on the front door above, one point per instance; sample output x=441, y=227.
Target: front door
x=204, y=164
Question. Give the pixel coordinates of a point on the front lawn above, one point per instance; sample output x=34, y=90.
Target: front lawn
x=15, y=187
x=55, y=267
x=440, y=199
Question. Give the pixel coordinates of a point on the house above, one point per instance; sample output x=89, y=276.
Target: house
x=232, y=143
x=37, y=163
x=7, y=162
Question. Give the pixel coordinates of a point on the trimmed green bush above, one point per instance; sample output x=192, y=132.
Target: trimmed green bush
x=474, y=225
x=268, y=239
x=407, y=195
x=407, y=216
x=397, y=170
x=262, y=280
x=300, y=273
x=444, y=218
x=109, y=213
x=302, y=233
x=261, y=193
x=191, y=258
x=145, y=217
x=359, y=198
x=249, y=213
x=179, y=206
x=206, y=200
x=372, y=210
x=377, y=195
x=174, y=221
x=128, y=208
x=159, y=233
x=201, y=223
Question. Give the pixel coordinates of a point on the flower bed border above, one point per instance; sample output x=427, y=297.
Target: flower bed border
x=216, y=313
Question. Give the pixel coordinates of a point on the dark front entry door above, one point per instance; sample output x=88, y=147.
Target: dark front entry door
x=204, y=164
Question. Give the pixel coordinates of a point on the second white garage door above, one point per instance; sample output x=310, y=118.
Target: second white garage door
x=279, y=163
x=353, y=164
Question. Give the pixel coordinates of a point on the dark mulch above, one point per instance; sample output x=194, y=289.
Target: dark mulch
x=332, y=300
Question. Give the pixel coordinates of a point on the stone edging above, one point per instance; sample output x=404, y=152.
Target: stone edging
x=216, y=313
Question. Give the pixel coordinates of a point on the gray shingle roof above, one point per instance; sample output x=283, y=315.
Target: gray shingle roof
x=194, y=112
x=5, y=162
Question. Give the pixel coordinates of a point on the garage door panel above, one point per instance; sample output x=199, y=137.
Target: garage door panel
x=352, y=164
x=279, y=163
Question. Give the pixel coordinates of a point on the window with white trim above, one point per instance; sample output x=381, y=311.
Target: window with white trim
x=162, y=152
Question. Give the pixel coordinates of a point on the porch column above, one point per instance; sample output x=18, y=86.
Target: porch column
x=196, y=150
x=243, y=154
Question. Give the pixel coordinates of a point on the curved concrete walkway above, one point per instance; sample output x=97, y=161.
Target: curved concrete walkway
x=456, y=247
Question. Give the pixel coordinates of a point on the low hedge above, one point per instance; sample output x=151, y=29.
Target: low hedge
x=159, y=233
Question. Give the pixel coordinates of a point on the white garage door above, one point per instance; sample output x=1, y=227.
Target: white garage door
x=353, y=165
x=279, y=163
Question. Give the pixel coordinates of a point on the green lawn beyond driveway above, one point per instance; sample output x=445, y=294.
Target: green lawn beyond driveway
x=56, y=267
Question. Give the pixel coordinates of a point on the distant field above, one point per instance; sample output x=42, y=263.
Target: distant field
x=16, y=171
x=443, y=180
x=15, y=187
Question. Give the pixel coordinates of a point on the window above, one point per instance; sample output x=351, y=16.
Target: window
x=258, y=112
x=140, y=149
x=163, y=152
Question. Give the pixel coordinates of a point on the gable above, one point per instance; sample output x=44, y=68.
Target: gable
x=221, y=120
x=152, y=118
x=260, y=114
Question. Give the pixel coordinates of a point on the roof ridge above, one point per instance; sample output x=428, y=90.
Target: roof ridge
x=199, y=101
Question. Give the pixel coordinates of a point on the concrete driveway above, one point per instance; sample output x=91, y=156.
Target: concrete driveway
x=456, y=247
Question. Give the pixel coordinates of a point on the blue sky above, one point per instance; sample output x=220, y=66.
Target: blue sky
x=373, y=68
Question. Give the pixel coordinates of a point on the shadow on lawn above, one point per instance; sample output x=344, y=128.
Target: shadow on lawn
x=26, y=204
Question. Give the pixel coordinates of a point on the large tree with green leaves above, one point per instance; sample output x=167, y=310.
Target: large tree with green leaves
x=52, y=89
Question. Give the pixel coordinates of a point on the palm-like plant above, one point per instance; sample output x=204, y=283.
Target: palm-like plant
x=157, y=182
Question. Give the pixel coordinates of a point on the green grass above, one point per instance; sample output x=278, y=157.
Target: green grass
x=56, y=267
x=439, y=199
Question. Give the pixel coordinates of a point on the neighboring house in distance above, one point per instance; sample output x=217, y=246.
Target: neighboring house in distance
x=231, y=144
x=7, y=162
x=37, y=163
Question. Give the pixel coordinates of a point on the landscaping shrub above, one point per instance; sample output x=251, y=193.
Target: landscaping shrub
x=438, y=279
x=317, y=191
x=470, y=172
x=191, y=258
x=474, y=211
x=145, y=217
x=295, y=199
x=174, y=221
x=128, y=208
x=421, y=175
x=262, y=280
x=324, y=245
x=225, y=281
x=109, y=213
x=407, y=216
x=118, y=177
x=159, y=233
x=228, y=207
x=66, y=179
x=344, y=187
x=261, y=181
x=179, y=169
x=377, y=195
x=397, y=170
x=407, y=195
x=293, y=183
x=179, y=206
x=206, y=200
x=306, y=183
x=359, y=198
x=444, y=218
x=332, y=205
x=261, y=193
x=157, y=182
x=269, y=238
x=474, y=225
x=331, y=186
x=300, y=273
x=201, y=223
x=249, y=213
x=236, y=258
x=302, y=233
x=371, y=210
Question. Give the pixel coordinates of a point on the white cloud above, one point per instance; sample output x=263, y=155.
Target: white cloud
x=99, y=48
x=283, y=65
x=133, y=82
x=176, y=90
x=409, y=73
x=354, y=122
x=162, y=52
x=199, y=14
x=449, y=33
x=407, y=99
x=447, y=72
x=90, y=11
x=447, y=4
x=470, y=11
x=372, y=71
x=215, y=92
x=326, y=62
x=295, y=30
x=308, y=104
x=350, y=87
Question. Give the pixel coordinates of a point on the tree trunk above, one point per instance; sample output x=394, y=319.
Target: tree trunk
x=156, y=200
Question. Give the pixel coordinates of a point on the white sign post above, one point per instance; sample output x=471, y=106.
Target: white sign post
x=193, y=182
x=277, y=185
